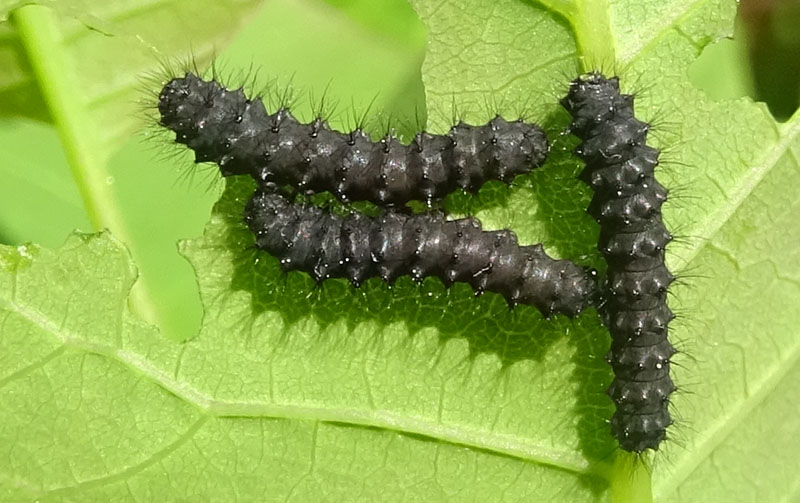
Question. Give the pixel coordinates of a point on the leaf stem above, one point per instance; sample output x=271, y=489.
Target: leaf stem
x=41, y=38
x=592, y=25
x=631, y=479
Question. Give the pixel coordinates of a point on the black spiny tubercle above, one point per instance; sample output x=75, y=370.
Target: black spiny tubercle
x=627, y=205
x=397, y=243
x=226, y=127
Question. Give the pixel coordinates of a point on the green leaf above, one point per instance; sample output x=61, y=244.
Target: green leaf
x=79, y=64
x=112, y=52
x=417, y=393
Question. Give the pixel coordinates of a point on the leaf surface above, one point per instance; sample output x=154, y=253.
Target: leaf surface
x=417, y=393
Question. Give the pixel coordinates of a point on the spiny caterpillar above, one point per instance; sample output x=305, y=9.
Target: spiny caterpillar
x=324, y=245
x=627, y=205
x=226, y=127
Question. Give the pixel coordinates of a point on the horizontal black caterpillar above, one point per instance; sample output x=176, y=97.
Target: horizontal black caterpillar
x=627, y=205
x=237, y=133
x=358, y=247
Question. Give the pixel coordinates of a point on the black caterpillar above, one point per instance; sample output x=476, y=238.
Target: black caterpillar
x=627, y=205
x=238, y=134
x=358, y=247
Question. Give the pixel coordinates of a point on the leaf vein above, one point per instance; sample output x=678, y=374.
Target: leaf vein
x=496, y=443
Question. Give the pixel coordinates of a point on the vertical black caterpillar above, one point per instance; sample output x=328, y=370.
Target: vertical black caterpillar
x=358, y=247
x=237, y=133
x=627, y=205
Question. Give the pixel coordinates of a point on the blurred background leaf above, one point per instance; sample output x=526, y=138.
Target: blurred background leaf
x=110, y=54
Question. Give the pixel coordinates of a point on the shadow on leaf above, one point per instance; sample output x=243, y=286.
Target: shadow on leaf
x=485, y=322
